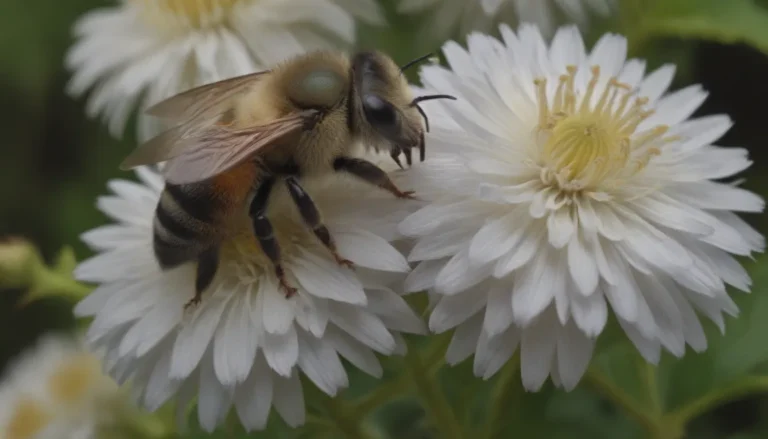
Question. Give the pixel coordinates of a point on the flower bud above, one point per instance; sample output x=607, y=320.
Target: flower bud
x=19, y=262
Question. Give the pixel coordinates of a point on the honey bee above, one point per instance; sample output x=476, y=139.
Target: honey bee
x=233, y=140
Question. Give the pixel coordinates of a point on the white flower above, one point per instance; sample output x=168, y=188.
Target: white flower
x=470, y=15
x=147, y=50
x=562, y=184
x=56, y=390
x=244, y=345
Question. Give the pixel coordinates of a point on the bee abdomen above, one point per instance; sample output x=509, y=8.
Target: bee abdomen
x=182, y=225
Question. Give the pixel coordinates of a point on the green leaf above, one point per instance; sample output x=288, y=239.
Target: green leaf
x=725, y=21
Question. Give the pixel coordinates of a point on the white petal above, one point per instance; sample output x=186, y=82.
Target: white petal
x=655, y=84
x=355, y=352
x=423, y=276
x=312, y=314
x=537, y=351
x=194, y=338
x=464, y=340
x=458, y=274
x=275, y=312
x=590, y=313
x=253, y=398
x=649, y=348
x=493, y=353
x=394, y=311
x=440, y=245
x=582, y=266
x=362, y=325
x=160, y=387
x=289, y=400
x=453, y=310
x=521, y=254
x=574, y=351
x=214, y=399
x=323, y=278
x=534, y=287
x=235, y=343
x=369, y=250
x=321, y=364
x=281, y=351
x=496, y=238
x=561, y=227
x=498, y=311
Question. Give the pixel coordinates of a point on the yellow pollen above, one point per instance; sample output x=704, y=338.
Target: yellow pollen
x=186, y=13
x=591, y=139
x=29, y=418
x=71, y=381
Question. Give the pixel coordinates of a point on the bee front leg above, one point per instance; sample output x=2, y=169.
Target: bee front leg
x=371, y=173
x=264, y=232
x=311, y=217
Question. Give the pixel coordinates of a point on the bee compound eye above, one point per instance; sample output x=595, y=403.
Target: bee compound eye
x=378, y=111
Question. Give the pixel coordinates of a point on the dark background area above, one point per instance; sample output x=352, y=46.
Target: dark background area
x=54, y=161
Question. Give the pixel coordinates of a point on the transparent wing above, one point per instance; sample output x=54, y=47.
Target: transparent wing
x=199, y=100
x=205, y=153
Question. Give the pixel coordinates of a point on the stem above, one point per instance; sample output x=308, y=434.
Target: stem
x=346, y=421
x=740, y=388
x=50, y=283
x=615, y=394
x=402, y=384
x=648, y=371
x=435, y=403
x=505, y=392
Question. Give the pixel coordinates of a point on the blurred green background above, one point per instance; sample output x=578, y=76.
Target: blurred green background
x=54, y=161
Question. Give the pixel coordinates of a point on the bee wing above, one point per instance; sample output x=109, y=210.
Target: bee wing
x=218, y=148
x=199, y=100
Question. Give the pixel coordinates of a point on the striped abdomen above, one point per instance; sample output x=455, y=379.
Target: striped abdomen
x=185, y=223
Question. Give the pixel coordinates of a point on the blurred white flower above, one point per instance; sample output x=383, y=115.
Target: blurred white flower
x=468, y=15
x=562, y=184
x=142, y=51
x=56, y=390
x=244, y=345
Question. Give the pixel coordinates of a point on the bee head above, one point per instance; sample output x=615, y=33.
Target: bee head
x=387, y=110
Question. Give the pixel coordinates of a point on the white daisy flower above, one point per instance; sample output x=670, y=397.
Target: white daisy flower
x=468, y=15
x=563, y=184
x=148, y=50
x=56, y=390
x=245, y=344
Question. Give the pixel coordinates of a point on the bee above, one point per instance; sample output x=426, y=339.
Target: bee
x=233, y=140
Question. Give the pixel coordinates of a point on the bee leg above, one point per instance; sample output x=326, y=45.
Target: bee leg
x=408, y=156
x=371, y=173
x=311, y=217
x=207, y=265
x=264, y=232
x=395, y=154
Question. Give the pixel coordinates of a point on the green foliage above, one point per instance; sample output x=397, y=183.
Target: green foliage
x=731, y=21
x=418, y=398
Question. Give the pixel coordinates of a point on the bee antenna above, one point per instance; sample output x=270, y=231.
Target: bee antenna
x=424, y=115
x=431, y=97
x=411, y=63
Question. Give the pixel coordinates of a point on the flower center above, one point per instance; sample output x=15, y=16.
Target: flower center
x=29, y=418
x=72, y=380
x=187, y=13
x=585, y=144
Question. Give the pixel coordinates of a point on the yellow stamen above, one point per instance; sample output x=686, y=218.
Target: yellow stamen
x=71, y=381
x=29, y=418
x=187, y=13
x=584, y=144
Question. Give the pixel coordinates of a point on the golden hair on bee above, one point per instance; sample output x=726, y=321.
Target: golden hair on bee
x=235, y=139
